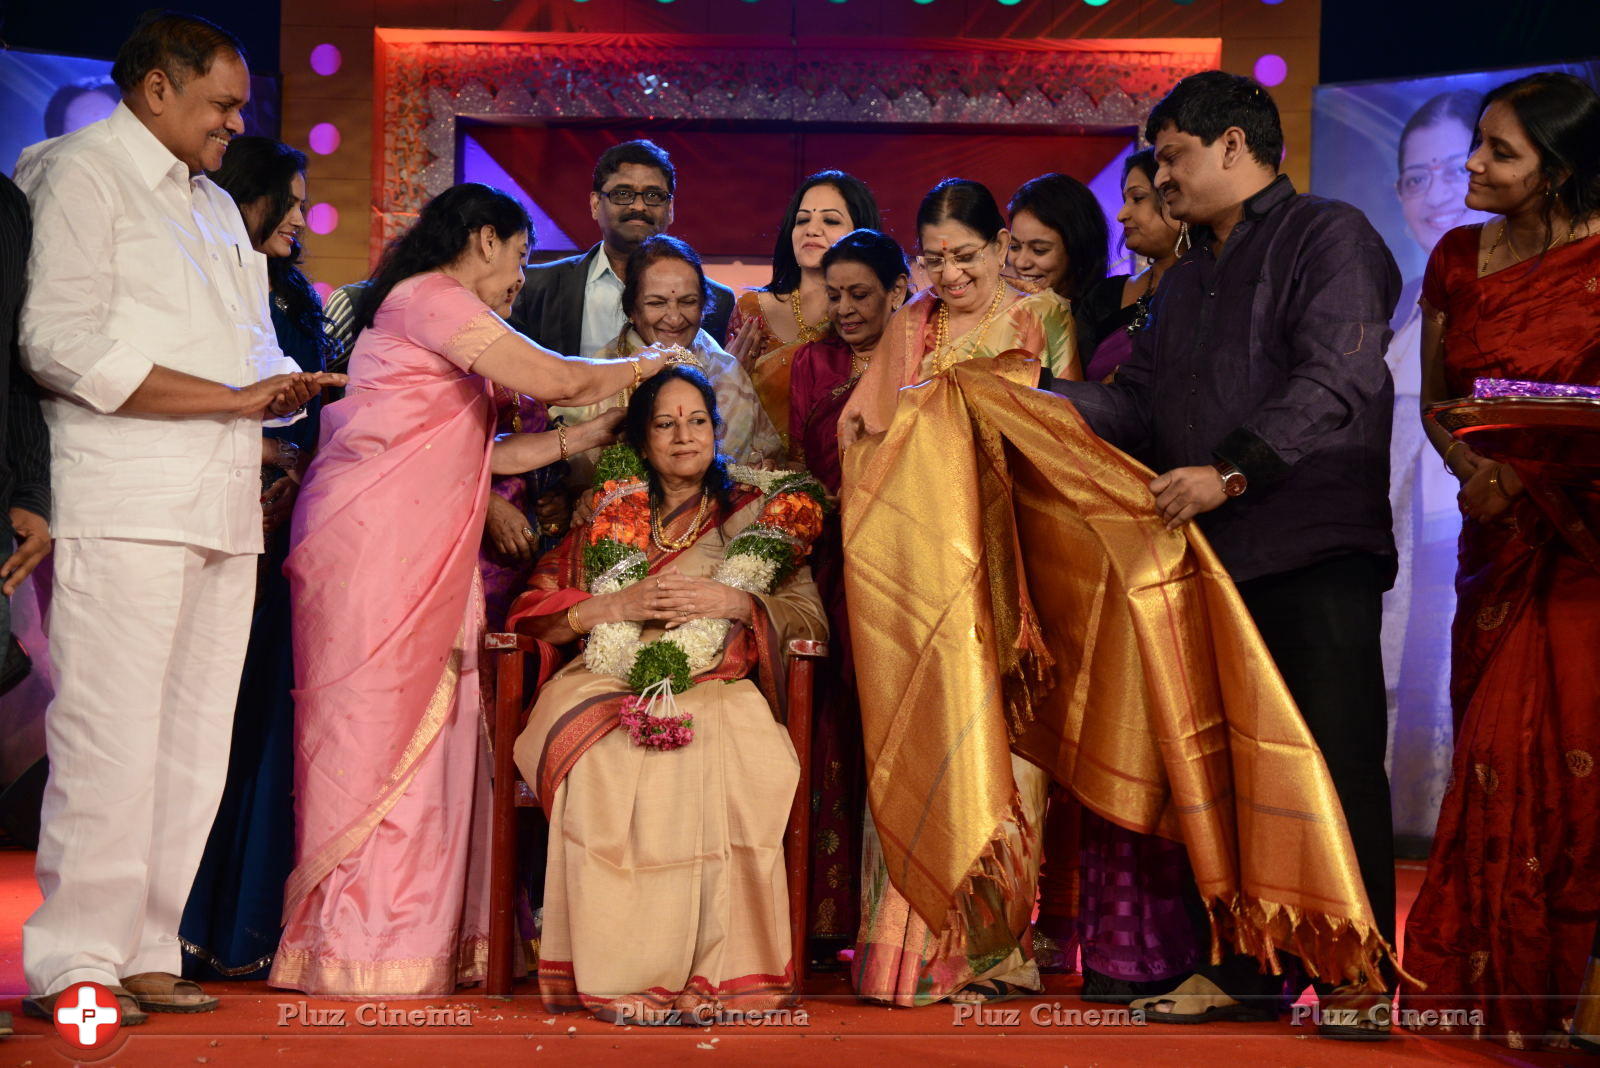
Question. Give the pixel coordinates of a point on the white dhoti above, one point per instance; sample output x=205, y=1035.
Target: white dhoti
x=148, y=641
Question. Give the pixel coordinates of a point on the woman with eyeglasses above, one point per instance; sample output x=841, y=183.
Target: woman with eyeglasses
x=768, y=325
x=981, y=949
x=969, y=311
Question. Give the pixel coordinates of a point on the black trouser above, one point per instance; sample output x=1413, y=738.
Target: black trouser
x=1321, y=625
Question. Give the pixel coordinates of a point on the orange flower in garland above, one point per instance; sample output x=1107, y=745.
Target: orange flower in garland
x=625, y=519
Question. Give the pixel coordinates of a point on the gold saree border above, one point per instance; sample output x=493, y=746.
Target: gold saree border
x=417, y=977
x=315, y=868
x=1221, y=759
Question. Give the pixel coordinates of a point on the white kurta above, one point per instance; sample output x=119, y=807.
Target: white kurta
x=135, y=264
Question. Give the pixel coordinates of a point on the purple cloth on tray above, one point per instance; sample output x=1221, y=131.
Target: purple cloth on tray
x=1509, y=387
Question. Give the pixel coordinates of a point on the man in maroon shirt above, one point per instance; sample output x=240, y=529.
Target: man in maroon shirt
x=1259, y=391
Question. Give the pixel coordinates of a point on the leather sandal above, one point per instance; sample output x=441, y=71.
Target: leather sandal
x=43, y=1006
x=165, y=992
x=1163, y=1008
x=1355, y=1017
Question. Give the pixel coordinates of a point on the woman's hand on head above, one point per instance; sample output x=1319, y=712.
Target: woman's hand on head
x=600, y=431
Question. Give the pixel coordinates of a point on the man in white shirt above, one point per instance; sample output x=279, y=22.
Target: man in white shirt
x=147, y=322
x=574, y=306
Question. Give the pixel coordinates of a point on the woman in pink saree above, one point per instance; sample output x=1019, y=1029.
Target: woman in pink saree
x=391, y=793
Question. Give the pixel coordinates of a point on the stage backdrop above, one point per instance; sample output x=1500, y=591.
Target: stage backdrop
x=1395, y=150
x=735, y=179
x=44, y=96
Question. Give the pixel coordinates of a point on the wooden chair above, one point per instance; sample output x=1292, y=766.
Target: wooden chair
x=509, y=668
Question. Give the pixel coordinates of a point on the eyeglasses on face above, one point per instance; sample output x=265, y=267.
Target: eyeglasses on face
x=1417, y=179
x=934, y=262
x=623, y=195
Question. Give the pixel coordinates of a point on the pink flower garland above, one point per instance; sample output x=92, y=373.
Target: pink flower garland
x=655, y=732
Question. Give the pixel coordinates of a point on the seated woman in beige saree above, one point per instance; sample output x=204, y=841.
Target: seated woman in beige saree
x=665, y=899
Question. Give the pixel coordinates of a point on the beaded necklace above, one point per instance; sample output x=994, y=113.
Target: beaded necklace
x=658, y=534
x=942, y=359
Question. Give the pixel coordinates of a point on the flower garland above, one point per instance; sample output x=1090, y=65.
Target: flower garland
x=758, y=558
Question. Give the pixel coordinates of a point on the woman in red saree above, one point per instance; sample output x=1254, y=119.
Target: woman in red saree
x=665, y=899
x=391, y=796
x=866, y=277
x=1507, y=912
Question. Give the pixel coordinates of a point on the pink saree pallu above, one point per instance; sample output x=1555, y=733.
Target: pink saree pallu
x=387, y=897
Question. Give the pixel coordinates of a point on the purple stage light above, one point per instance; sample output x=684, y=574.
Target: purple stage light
x=322, y=218
x=326, y=59
x=1271, y=69
x=324, y=138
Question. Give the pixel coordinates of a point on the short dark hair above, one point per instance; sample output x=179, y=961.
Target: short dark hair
x=643, y=153
x=858, y=199
x=964, y=201
x=183, y=46
x=878, y=252
x=1066, y=206
x=1458, y=105
x=1210, y=103
x=1561, y=116
x=653, y=249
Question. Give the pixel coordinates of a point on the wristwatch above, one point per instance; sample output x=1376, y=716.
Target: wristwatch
x=1233, y=480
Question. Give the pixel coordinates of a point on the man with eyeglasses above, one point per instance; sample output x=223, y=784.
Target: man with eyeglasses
x=574, y=306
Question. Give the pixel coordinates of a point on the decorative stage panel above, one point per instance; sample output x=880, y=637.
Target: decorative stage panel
x=427, y=80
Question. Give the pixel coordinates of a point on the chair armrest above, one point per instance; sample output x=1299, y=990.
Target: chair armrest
x=811, y=650
x=499, y=641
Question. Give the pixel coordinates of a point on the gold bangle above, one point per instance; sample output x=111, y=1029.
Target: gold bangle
x=561, y=436
x=1454, y=445
x=638, y=375
x=572, y=620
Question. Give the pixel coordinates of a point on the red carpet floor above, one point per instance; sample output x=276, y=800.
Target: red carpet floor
x=261, y=1026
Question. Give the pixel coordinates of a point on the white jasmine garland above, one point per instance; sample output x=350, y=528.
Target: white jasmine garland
x=612, y=648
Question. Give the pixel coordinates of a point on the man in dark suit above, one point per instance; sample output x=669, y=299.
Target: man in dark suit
x=574, y=306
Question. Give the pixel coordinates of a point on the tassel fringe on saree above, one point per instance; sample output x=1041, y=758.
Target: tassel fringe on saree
x=1015, y=593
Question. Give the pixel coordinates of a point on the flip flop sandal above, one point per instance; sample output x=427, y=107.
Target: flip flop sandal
x=43, y=1007
x=165, y=992
x=991, y=991
x=1235, y=1011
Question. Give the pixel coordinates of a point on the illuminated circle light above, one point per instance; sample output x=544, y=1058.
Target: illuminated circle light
x=1096, y=3
x=924, y=1
x=324, y=138
x=1272, y=3
x=323, y=218
x=326, y=59
x=1271, y=69
x=324, y=290
x=1009, y=3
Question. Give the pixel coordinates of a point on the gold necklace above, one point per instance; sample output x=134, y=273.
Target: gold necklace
x=1511, y=246
x=807, y=331
x=658, y=535
x=942, y=360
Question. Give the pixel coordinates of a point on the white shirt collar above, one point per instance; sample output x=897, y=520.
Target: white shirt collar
x=600, y=266
x=152, y=159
